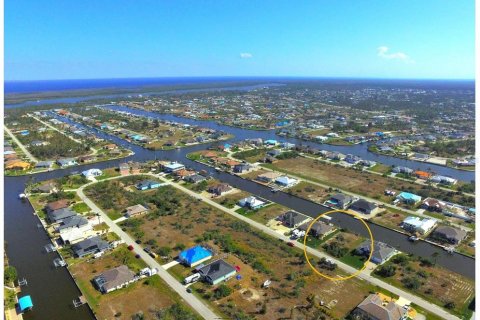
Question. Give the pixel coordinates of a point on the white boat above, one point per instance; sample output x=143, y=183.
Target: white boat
x=413, y=238
x=22, y=196
x=450, y=249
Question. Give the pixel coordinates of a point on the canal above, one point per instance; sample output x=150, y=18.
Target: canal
x=53, y=290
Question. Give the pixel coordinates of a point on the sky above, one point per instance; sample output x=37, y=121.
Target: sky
x=58, y=39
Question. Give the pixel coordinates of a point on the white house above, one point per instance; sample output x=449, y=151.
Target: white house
x=92, y=173
x=415, y=224
x=285, y=181
x=251, y=202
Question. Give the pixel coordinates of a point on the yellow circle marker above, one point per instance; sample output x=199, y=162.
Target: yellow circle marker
x=338, y=278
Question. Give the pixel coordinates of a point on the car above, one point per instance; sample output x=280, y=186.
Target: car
x=130, y=247
x=147, y=249
x=138, y=241
x=137, y=256
x=189, y=290
x=290, y=244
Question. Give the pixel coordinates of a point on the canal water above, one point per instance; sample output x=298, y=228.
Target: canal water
x=53, y=290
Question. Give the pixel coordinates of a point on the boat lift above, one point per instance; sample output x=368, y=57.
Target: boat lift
x=79, y=302
x=59, y=262
x=50, y=248
x=22, y=282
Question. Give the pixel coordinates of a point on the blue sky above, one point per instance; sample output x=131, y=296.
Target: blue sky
x=116, y=39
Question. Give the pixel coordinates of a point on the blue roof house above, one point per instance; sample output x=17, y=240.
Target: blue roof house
x=148, y=184
x=25, y=303
x=271, y=142
x=194, y=256
x=408, y=197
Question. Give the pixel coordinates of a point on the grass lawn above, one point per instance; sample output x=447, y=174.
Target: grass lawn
x=108, y=173
x=80, y=207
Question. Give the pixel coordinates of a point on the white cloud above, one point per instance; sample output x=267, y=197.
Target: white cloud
x=246, y=55
x=383, y=52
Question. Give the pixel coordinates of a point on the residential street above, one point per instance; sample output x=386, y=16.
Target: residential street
x=189, y=298
x=198, y=304
x=20, y=145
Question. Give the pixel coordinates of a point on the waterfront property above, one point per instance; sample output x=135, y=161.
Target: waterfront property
x=365, y=207
x=251, y=203
x=114, y=279
x=447, y=234
x=409, y=198
x=416, y=224
x=292, y=219
x=90, y=246
x=339, y=200
x=319, y=229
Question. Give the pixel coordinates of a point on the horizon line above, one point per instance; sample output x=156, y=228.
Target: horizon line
x=244, y=77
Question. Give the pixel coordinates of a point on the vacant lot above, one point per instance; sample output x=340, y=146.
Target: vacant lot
x=423, y=278
x=189, y=222
x=150, y=295
x=359, y=182
x=309, y=191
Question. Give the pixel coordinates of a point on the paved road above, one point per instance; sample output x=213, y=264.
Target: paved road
x=20, y=145
x=388, y=205
x=364, y=275
x=191, y=299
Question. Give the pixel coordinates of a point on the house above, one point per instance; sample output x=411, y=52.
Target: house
x=251, y=203
x=196, y=178
x=217, y=272
x=270, y=142
x=274, y=152
x=443, y=180
x=59, y=215
x=415, y=224
x=285, y=181
x=268, y=177
x=422, y=175
x=124, y=169
x=135, y=168
x=400, y=169
x=448, y=234
x=409, y=198
x=374, y=308
x=340, y=200
x=381, y=251
x=89, y=246
x=241, y=167
x=135, y=210
x=47, y=187
x=319, y=229
x=110, y=146
x=292, y=219
x=38, y=143
x=90, y=173
x=172, y=167
x=73, y=229
x=432, y=204
x=365, y=207
x=66, y=162
x=183, y=173
x=194, y=256
x=56, y=205
x=352, y=159
x=44, y=164
x=219, y=189
x=148, y=184
x=88, y=158
x=17, y=165
x=114, y=279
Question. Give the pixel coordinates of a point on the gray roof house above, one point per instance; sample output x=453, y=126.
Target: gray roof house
x=217, y=271
x=89, y=246
x=292, y=219
x=449, y=234
x=340, y=200
x=44, y=164
x=319, y=229
x=196, y=178
x=381, y=251
x=374, y=308
x=60, y=215
x=75, y=221
x=364, y=206
x=114, y=279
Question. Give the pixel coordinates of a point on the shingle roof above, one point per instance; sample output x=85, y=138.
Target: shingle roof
x=216, y=270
